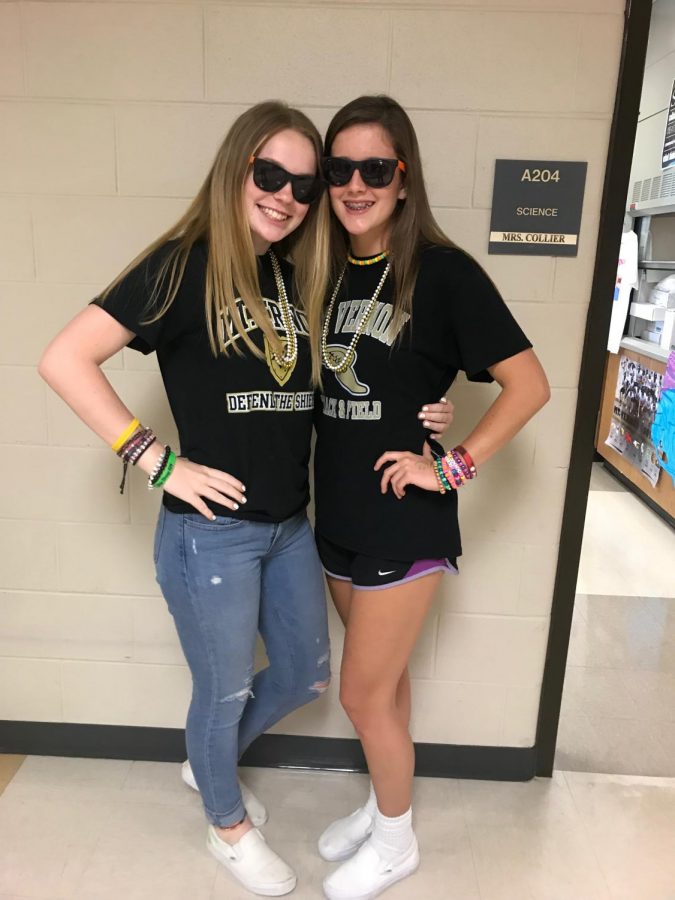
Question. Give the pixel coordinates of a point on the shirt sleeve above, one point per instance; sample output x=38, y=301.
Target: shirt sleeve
x=132, y=304
x=483, y=328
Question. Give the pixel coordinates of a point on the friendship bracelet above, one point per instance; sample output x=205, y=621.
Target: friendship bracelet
x=129, y=449
x=461, y=464
x=458, y=469
x=126, y=434
x=147, y=442
x=166, y=471
x=133, y=448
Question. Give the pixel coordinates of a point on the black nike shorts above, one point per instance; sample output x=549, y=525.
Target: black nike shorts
x=371, y=573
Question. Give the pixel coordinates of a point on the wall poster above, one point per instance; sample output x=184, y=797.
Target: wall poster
x=635, y=399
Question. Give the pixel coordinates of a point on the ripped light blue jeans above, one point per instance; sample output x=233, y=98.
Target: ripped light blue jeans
x=224, y=581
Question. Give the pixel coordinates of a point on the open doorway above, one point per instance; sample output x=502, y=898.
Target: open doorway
x=618, y=705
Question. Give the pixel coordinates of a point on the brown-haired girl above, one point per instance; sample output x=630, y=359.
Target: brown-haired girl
x=407, y=311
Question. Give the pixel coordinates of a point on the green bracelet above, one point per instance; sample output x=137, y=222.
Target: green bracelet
x=441, y=474
x=166, y=470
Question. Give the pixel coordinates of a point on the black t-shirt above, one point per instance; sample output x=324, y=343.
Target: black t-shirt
x=459, y=322
x=234, y=412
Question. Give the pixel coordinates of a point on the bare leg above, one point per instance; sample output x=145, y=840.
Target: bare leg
x=341, y=592
x=381, y=631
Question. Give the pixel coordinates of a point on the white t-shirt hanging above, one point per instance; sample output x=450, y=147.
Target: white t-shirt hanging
x=626, y=280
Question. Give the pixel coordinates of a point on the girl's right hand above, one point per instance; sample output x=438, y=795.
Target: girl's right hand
x=194, y=484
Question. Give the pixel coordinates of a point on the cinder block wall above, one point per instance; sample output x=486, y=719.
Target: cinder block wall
x=109, y=114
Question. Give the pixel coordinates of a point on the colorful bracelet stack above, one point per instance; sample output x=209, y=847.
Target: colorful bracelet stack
x=163, y=468
x=453, y=469
x=131, y=445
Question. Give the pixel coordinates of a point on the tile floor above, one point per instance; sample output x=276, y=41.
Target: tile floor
x=83, y=829
x=618, y=712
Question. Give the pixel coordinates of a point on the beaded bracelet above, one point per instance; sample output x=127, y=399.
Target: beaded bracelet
x=452, y=469
x=439, y=479
x=148, y=440
x=163, y=476
x=159, y=465
x=441, y=475
x=453, y=475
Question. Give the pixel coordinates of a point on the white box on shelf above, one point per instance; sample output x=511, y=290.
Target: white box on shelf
x=647, y=311
x=668, y=333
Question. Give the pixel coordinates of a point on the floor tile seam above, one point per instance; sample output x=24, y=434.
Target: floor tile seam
x=590, y=842
x=608, y=778
x=467, y=830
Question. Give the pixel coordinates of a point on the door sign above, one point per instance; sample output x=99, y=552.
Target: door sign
x=536, y=207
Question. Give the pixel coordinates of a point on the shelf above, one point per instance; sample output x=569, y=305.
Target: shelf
x=647, y=348
x=656, y=264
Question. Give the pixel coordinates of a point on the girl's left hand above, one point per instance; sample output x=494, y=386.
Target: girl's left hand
x=406, y=468
x=437, y=417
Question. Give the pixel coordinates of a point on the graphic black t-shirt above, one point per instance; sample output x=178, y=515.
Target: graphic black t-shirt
x=243, y=415
x=459, y=322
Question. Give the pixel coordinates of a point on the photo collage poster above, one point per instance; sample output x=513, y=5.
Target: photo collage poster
x=637, y=393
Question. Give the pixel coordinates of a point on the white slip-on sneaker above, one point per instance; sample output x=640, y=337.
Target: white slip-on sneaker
x=255, y=865
x=255, y=810
x=366, y=874
x=343, y=837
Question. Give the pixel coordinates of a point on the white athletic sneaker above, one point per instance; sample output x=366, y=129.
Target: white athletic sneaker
x=255, y=810
x=366, y=874
x=253, y=863
x=343, y=837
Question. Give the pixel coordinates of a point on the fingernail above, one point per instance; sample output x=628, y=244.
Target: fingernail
x=426, y=424
x=235, y=506
x=442, y=400
x=243, y=499
x=420, y=415
x=243, y=487
x=425, y=408
x=213, y=518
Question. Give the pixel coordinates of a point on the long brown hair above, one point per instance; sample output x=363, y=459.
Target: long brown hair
x=413, y=225
x=218, y=215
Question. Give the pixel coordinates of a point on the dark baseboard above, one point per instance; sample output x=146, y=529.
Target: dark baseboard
x=270, y=750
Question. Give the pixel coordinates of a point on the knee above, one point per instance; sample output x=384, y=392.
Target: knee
x=363, y=710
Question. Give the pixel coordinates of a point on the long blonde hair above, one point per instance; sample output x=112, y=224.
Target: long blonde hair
x=218, y=215
x=413, y=226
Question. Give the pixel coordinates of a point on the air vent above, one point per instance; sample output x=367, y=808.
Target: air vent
x=661, y=187
x=655, y=190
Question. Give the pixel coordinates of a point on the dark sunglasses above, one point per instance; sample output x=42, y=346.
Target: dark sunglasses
x=270, y=177
x=375, y=172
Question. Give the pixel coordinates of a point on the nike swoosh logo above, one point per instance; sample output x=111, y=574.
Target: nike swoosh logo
x=386, y=573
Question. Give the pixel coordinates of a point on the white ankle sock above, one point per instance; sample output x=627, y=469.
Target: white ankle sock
x=370, y=806
x=392, y=836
